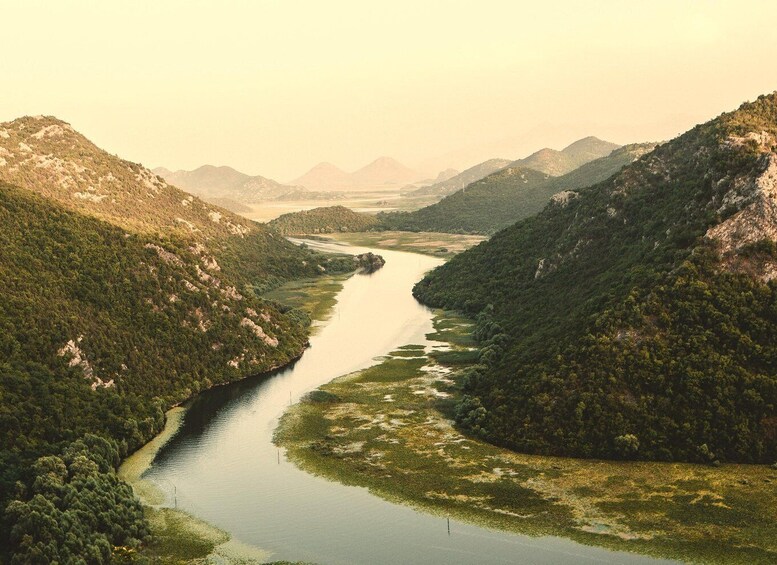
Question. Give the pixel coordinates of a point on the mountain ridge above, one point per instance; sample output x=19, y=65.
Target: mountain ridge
x=212, y=182
x=507, y=195
x=633, y=319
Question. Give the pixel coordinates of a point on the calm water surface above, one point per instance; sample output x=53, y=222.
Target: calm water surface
x=224, y=468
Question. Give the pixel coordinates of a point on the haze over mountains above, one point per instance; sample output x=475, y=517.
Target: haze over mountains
x=209, y=181
x=556, y=163
x=383, y=172
x=548, y=161
x=508, y=195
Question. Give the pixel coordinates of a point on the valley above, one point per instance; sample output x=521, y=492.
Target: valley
x=474, y=332
x=231, y=429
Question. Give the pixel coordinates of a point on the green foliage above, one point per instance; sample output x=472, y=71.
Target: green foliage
x=77, y=510
x=506, y=196
x=323, y=220
x=625, y=334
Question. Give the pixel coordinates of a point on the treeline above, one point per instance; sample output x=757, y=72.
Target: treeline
x=618, y=330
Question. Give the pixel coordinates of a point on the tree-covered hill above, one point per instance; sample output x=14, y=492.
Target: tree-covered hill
x=101, y=330
x=471, y=209
x=329, y=219
x=506, y=196
x=636, y=318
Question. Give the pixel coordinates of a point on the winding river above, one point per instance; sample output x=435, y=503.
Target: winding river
x=223, y=467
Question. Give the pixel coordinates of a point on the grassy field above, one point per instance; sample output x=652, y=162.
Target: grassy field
x=444, y=245
x=388, y=428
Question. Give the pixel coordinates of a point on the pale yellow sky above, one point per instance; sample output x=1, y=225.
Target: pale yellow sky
x=273, y=87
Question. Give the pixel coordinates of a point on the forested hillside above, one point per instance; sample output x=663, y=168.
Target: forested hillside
x=635, y=318
x=506, y=196
x=101, y=330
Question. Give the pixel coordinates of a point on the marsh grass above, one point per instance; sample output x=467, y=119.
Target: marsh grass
x=409, y=451
x=315, y=297
x=443, y=245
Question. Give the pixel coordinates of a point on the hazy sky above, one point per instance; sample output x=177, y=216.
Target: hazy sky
x=272, y=87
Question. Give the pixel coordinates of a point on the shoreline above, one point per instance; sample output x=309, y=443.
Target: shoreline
x=176, y=527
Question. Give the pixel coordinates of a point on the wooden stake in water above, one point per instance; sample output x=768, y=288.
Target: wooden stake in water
x=449, y=526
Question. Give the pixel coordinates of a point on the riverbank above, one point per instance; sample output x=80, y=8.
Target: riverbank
x=177, y=536
x=388, y=428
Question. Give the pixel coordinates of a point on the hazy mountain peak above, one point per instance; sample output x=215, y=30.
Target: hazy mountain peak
x=380, y=172
x=383, y=171
x=556, y=163
x=227, y=186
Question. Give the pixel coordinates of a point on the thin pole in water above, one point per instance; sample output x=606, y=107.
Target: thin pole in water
x=279, y=457
x=449, y=526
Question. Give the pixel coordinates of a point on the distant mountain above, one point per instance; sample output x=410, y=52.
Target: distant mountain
x=381, y=173
x=635, y=318
x=548, y=161
x=557, y=163
x=324, y=176
x=506, y=196
x=446, y=175
x=212, y=183
x=322, y=220
x=384, y=171
x=460, y=180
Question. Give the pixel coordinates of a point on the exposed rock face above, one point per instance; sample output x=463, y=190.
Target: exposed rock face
x=73, y=350
x=369, y=262
x=562, y=198
x=259, y=332
x=756, y=199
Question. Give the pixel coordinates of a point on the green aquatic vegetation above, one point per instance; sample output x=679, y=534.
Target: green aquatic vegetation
x=444, y=245
x=392, y=436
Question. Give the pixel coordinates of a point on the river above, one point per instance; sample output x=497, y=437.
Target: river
x=222, y=466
